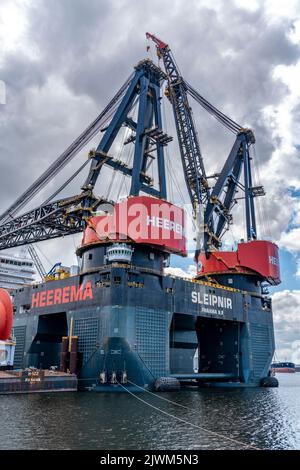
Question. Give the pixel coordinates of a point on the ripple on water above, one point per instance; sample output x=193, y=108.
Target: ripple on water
x=265, y=418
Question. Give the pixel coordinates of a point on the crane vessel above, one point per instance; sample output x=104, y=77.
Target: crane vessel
x=121, y=319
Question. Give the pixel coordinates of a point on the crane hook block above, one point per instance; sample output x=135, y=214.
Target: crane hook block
x=6, y=315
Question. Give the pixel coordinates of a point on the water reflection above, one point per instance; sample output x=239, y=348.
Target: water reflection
x=265, y=418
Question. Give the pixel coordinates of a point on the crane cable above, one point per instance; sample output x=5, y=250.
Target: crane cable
x=129, y=156
x=66, y=183
x=264, y=214
x=121, y=150
x=43, y=254
x=66, y=156
x=123, y=177
x=221, y=117
x=163, y=52
x=114, y=173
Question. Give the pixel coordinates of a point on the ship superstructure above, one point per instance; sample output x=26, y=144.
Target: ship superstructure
x=15, y=271
x=122, y=320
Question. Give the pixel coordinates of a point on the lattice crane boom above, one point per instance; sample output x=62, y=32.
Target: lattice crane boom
x=65, y=157
x=194, y=171
x=37, y=261
x=62, y=217
x=218, y=202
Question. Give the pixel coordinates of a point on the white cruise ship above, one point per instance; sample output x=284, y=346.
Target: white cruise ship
x=15, y=271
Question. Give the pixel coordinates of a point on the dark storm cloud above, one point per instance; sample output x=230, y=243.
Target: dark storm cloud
x=95, y=44
x=80, y=52
x=234, y=66
x=86, y=43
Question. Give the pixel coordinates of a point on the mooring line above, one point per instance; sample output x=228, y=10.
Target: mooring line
x=188, y=423
x=161, y=398
x=156, y=395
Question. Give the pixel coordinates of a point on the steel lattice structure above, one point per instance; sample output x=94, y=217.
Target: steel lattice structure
x=68, y=216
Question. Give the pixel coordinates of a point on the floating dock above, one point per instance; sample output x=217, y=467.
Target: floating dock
x=34, y=381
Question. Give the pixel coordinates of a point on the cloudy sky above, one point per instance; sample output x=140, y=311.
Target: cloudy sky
x=62, y=60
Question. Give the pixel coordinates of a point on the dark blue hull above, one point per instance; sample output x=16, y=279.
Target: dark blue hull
x=138, y=322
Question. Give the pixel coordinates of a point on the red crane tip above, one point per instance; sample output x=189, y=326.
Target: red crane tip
x=160, y=44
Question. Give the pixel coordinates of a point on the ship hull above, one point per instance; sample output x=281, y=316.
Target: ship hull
x=283, y=367
x=139, y=325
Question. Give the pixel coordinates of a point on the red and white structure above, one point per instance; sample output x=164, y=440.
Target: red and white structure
x=257, y=257
x=140, y=220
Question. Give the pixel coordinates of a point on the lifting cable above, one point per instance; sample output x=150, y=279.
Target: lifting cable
x=167, y=156
x=66, y=156
x=114, y=173
x=263, y=213
x=235, y=441
x=130, y=152
x=66, y=183
x=123, y=177
x=221, y=117
x=121, y=152
x=43, y=254
x=172, y=177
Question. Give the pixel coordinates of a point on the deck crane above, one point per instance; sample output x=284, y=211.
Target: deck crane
x=192, y=162
x=37, y=261
x=44, y=275
x=123, y=314
x=218, y=202
x=66, y=157
x=60, y=217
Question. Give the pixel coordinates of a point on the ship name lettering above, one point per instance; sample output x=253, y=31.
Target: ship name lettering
x=166, y=224
x=50, y=294
x=211, y=300
x=273, y=260
x=62, y=295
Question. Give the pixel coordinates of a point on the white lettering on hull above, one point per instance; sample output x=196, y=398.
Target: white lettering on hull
x=166, y=224
x=211, y=300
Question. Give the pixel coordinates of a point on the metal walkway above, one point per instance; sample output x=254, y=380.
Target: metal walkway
x=204, y=376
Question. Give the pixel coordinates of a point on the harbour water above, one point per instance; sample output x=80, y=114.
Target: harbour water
x=263, y=418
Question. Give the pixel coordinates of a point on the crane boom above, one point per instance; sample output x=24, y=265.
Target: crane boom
x=52, y=220
x=37, y=261
x=216, y=203
x=211, y=205
x=190, y=152
x=63, y=217
x=73, y=149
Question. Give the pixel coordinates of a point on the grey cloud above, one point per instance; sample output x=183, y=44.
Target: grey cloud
x=286, y=307
x=20, y=72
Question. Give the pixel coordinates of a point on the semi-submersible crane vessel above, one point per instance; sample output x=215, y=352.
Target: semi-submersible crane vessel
x=120, y=319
